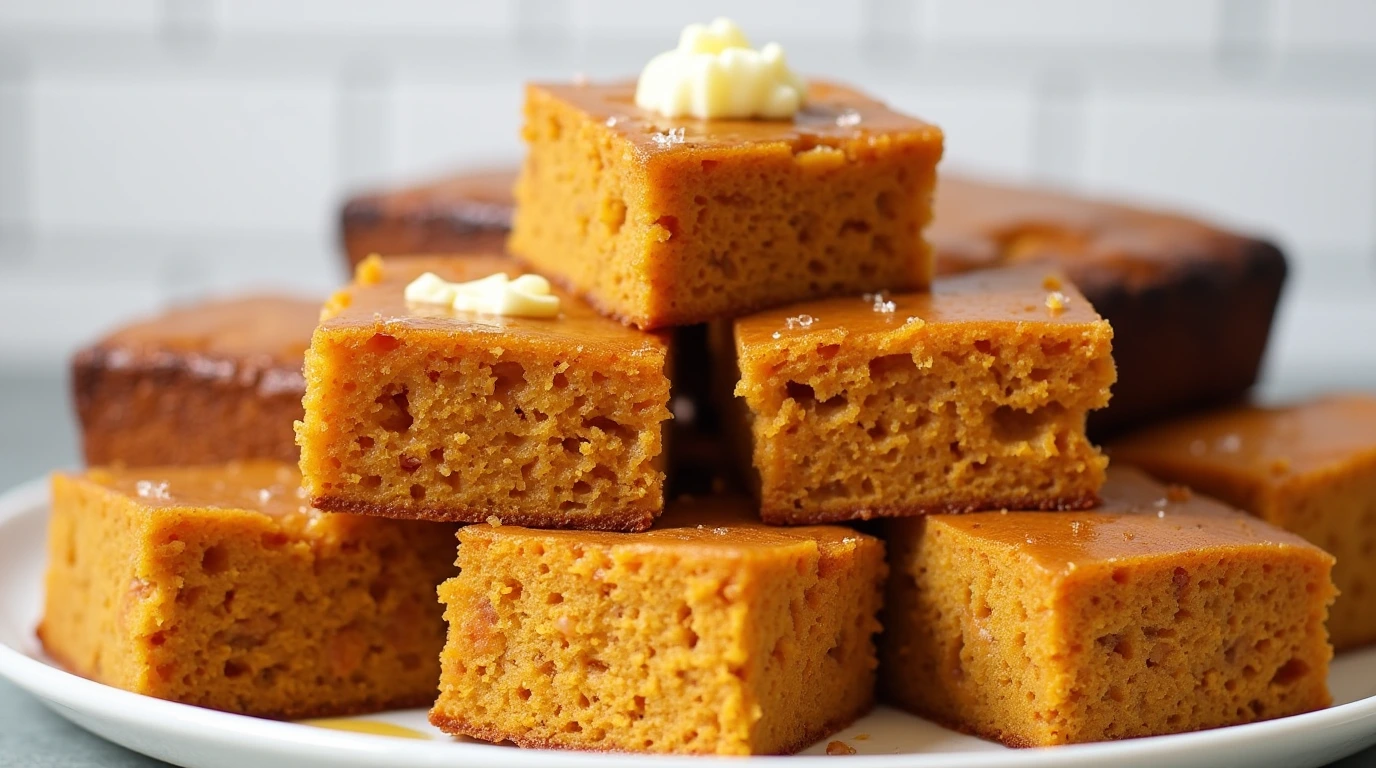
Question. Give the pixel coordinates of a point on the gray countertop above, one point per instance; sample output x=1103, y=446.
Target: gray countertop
x=34, y=417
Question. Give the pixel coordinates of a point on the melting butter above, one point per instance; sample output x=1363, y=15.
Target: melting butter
x=714, y=73
x=496, y=294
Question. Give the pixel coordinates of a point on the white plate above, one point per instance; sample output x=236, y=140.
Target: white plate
x=202, y=738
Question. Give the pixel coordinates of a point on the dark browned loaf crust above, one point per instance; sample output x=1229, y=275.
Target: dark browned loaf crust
x=201, y=384
x=1190, y=305
x=465, y=213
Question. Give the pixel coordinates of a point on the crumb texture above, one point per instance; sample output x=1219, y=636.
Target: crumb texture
x=441, y=426
x=982, y=639
x=242, y=611
x=1340, y=517
x=652, y=645
x=952, y=418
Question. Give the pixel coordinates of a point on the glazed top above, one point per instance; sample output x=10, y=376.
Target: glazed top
x=721, y=524
x=1267, y=444
x=376, y=301
x=270, y=487
x=998, y=297
x=1138, y=518
x=977, y=224
x=834, y=115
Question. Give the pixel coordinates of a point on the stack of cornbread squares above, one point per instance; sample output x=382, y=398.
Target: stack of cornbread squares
x=746, y=308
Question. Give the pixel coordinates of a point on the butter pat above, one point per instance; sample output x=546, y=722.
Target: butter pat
x=714, y=73
x=496, y=294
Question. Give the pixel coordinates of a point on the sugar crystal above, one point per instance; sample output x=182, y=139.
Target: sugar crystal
x=849, y=118
x=670, y=137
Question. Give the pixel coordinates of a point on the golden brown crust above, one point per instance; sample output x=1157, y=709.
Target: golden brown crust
x=620, y=521
x=785, y=516
x=456, y=726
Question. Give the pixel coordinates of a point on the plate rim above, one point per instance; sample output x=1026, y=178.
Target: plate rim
x=62, y=690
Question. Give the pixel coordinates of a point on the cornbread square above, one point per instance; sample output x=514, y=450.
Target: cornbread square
x=217, y=586
x=664, y=222
x=1309, y=468
x=209, y=382
x=1158, y=613
x=419, y=411
x=709, y=634
x=970, y=397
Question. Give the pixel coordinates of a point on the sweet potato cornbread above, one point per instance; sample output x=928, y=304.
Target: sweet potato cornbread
x=972, y=396
x=204, y=383
x=664, y=222
x=1309, y=468
x=421, y=411
x=709, y=634
x=1157, y=613
x=219, y=587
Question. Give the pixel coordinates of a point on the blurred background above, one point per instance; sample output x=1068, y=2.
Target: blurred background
x=153, y=151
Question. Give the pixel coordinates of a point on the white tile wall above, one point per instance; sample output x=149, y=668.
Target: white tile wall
x=366, y=17
x=1301, y=168
x=1325, y=24
x=159, y=149
x=438, y=126
x=181, y=154
x=988, y=131
x=763, y=20
x=1094, y=23
x=99, y=15
x=45, y=318
x=14, y=154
